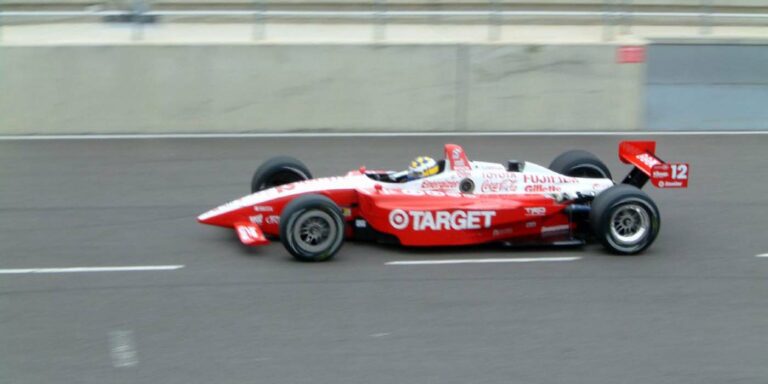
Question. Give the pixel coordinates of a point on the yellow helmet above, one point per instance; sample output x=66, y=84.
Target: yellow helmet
x=423, y=166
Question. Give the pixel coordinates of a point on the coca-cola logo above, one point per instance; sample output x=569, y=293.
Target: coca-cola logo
x=506, y=185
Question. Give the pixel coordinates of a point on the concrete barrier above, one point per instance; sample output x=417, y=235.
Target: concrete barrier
x=696, y=85
x=552, y=87
x=279, y=88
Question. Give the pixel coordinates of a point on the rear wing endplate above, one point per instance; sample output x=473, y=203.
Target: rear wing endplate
x=647, y=166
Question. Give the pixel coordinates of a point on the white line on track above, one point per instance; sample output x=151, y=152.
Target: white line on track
x=762, y=255
x=370, y=134
x=91, y=269
x=481, y=261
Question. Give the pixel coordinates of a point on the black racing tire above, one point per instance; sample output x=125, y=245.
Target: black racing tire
x=578, y=163
x=625, y=219
x=305, y=218
x=278, y=171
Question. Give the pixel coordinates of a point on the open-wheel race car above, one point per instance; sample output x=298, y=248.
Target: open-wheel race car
x=458, y=202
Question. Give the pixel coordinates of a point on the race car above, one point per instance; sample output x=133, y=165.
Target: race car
x=458, y=202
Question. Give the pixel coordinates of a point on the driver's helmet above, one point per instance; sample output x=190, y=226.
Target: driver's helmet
x=423, y=166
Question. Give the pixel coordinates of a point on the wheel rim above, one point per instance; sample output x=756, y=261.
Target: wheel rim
x=314, y=231
x=629, y=224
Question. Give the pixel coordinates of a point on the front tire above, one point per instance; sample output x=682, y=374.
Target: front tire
x=625, y=219
x=578, y=163
x=278, y=171
x=312, y=228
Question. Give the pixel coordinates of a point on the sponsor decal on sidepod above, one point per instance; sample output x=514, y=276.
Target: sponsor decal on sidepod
x=507, y=185
x=441, y=220
x=542, y=188
x=548, y=179
x=258, y=219
x=500, y=175
x=440, y=184
x=535, y=211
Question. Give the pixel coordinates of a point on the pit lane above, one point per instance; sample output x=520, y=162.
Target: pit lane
x=692, y=309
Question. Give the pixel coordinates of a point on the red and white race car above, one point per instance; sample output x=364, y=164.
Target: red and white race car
x=465, y=202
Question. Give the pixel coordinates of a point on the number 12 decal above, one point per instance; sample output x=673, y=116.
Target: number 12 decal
x=670, y=175
x=679, y=171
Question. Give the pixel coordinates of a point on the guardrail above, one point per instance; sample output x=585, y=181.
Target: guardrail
x=617, y=13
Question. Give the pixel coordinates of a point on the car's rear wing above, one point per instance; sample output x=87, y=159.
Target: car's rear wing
x=642, y=154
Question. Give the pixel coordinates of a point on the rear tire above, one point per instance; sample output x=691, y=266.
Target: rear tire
x=578, y=163
x=312, y=228
x=625, y=219
x=278, y=171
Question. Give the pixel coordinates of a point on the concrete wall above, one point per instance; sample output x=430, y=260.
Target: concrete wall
x=707, y=87
x=548, y=87
x=267, y=88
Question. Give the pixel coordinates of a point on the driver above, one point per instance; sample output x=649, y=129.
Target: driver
x=422, y=166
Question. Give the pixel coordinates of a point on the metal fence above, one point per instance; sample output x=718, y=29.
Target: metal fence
x=615, y=17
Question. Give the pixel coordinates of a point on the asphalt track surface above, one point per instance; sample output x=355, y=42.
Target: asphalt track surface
x=693, y=309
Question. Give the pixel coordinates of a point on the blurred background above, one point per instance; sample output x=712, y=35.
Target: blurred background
x=170, y=66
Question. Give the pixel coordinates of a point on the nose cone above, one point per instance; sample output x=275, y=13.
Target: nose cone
x=228, y=214
x=216, y=217
x=207, y=218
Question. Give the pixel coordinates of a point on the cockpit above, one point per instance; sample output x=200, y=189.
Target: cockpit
x=403, y=176
x=422, y=167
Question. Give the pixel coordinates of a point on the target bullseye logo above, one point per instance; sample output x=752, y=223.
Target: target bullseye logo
x=398, y=219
